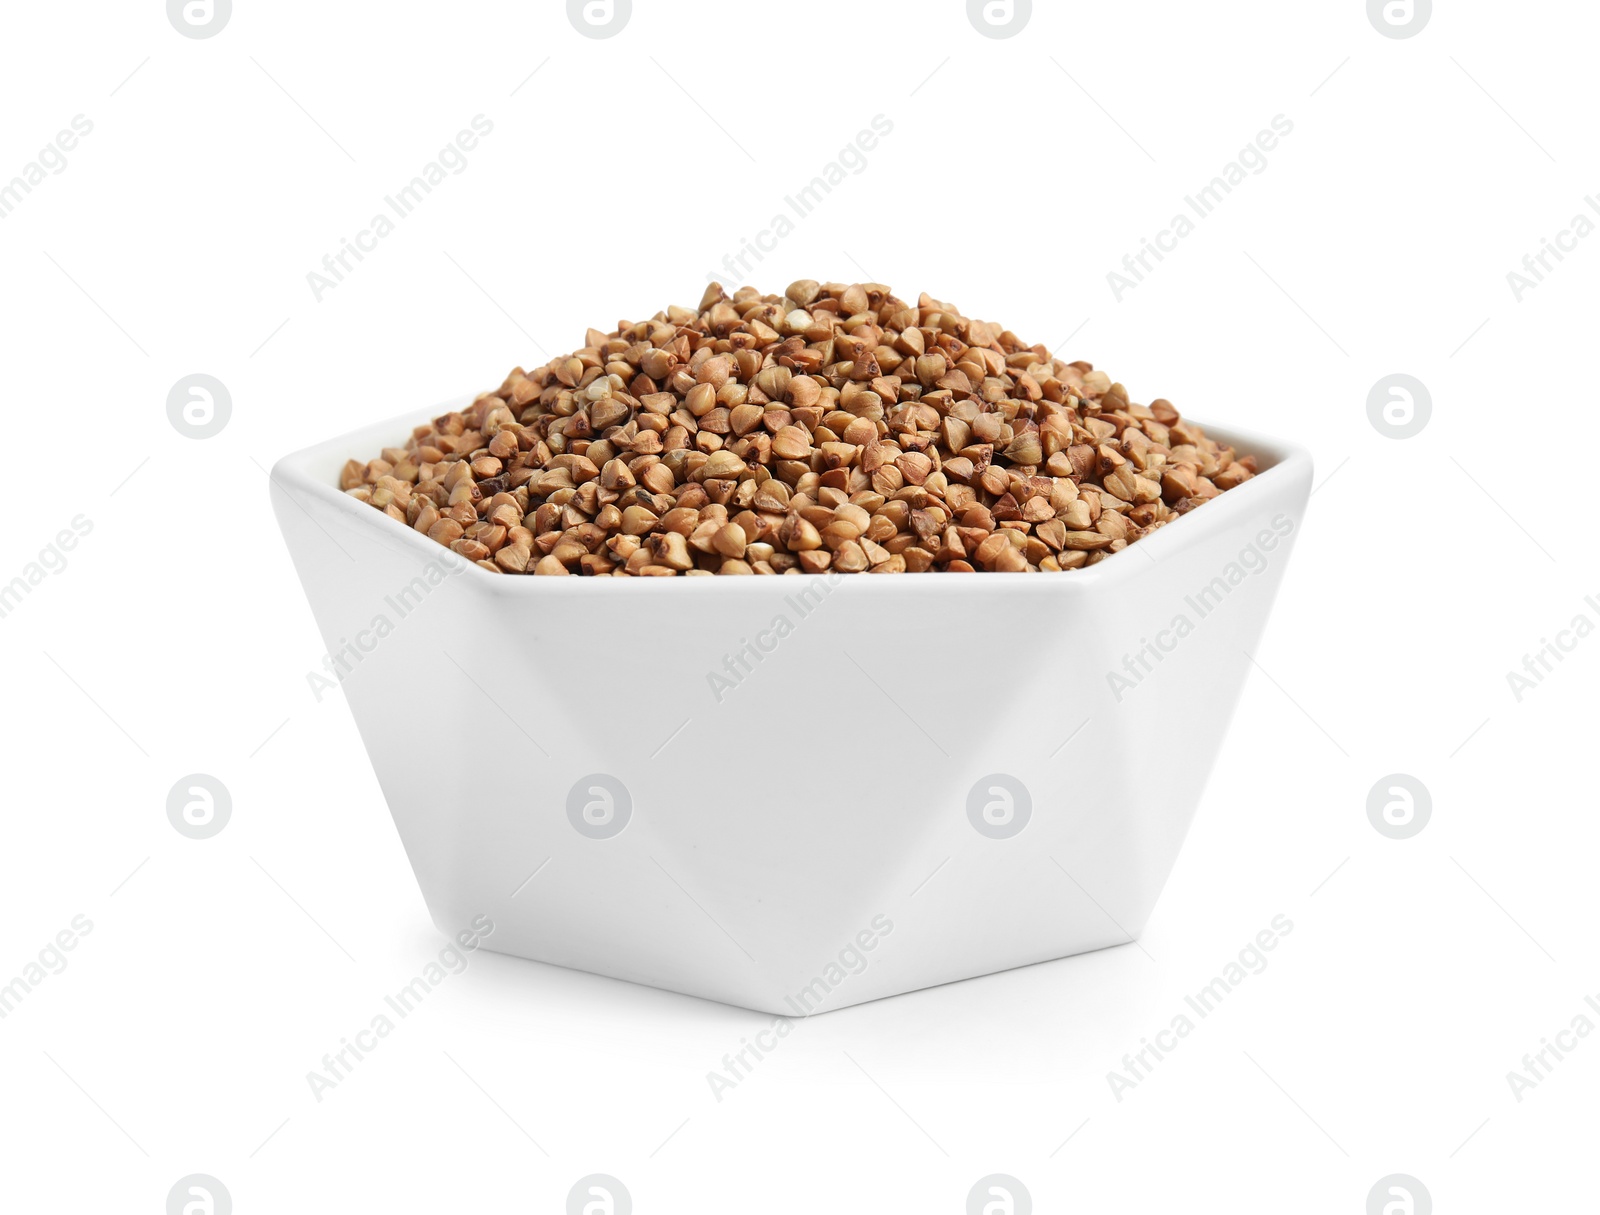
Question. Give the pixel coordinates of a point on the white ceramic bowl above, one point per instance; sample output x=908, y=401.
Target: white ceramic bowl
x=891, y=782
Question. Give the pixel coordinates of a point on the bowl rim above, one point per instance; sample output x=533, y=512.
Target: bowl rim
x=299, y=476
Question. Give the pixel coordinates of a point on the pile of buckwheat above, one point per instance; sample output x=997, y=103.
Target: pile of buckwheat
x=834, y=427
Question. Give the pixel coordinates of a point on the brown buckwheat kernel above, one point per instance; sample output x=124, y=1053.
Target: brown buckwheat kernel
x=834, y=427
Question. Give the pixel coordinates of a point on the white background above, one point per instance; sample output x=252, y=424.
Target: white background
x=1378, y=239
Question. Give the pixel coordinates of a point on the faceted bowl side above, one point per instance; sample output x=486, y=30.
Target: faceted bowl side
x=791, y=794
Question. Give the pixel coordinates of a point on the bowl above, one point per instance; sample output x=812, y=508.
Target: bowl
x=791, y=794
